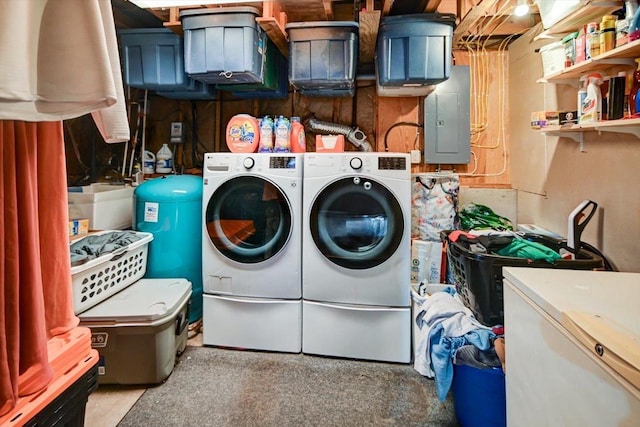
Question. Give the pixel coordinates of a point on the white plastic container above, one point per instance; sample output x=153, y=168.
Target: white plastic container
x=149, y=162
x=99, y=278
x=552, y=58
x=592, y=105
x=164, y=160
x=106, y=206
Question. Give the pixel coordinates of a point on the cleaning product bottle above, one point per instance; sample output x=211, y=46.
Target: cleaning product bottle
x=634, y=99
x=634, y=27
x=149, y=162
x=164, y=160
x=592, y=105
x=298, y=139
x=622, y=25
x=266, y=135
x=282, y=128
x=582, y=93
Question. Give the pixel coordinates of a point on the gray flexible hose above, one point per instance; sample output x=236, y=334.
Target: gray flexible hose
x=355, y=136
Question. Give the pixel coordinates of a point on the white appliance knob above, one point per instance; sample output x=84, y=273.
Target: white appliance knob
x=248, y=163
x=356, y=163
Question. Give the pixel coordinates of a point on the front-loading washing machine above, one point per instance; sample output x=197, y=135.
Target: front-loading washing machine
x=251, y=250
x=356, y=264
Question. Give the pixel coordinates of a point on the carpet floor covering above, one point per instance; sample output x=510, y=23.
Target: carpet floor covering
x=223, y=387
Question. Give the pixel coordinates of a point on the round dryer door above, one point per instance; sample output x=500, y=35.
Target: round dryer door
x=248, y=219
x=356, y=223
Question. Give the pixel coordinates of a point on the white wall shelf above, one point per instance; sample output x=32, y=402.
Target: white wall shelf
x=576, y=132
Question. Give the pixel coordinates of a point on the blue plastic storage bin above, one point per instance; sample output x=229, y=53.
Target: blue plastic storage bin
x=153, y=59
x=323, y=57
x=276, y=80
x=170, y=208
x=479, y=396
x=196, y=91
x=224, y=45
x=414, y=49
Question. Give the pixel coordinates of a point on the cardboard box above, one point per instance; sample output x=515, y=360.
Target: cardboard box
x=78, y=227
x=329, y=143
x=541, y=119
x=568, y=118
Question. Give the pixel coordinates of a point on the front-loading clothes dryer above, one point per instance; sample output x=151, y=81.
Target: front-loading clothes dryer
x=356, y=264
x=251, y=250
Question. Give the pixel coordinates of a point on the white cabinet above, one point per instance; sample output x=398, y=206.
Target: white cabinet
x=572, y=347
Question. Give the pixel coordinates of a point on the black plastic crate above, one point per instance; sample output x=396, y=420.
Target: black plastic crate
x=478, y=277
x=68, y=409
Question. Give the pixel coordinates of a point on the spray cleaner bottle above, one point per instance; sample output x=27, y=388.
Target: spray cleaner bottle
x=592, y=105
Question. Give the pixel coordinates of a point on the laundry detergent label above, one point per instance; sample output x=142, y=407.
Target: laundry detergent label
x=150, y=212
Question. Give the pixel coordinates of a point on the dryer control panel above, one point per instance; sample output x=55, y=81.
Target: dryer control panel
x=392, y=163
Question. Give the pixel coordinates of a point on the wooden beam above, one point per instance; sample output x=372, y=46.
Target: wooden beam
x=274, y=22
x=470, y=20
x=328, y=9
x=432, y=6
x=174, y=21
x=368, y=33
x=386, y=6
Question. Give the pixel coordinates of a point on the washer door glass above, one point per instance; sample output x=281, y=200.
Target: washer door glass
x=356, y=223
x=248, y=219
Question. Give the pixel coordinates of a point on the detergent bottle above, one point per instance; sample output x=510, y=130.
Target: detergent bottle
x=582, y=93
x=592, y=105
x=634, y=99
x=149, y=162
x=164, y=160
x=282, y=128
x=266, y=135
x=298, y=139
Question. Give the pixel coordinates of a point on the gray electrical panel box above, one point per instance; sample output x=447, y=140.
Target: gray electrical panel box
x=447, y=122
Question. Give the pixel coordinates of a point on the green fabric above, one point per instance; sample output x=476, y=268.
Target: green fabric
x=521, y=248
x=474, y=216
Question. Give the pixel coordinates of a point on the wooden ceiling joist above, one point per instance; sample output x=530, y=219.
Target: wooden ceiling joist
x=432, y=6
x=328, y=9
x=471, y=19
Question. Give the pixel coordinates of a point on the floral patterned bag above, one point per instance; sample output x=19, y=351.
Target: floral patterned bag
x=434, y=205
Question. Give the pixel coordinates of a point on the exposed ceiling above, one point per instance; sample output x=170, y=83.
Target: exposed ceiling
x=483, y=21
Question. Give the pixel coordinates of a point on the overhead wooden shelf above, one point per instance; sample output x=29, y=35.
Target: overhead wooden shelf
x=273, y=21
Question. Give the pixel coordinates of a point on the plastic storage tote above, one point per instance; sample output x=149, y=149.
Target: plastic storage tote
x=140, y=331
x=276, y=79
x=197, y=91
x=153, y=59
x=104, y=276
x=170, y=208
x=414, y=50
x=479, y=396
x=323, y=57
x=478, y=277
x=224, y=46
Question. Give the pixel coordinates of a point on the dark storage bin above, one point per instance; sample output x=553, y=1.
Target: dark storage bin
x=195, y=91
x=478, y=277
x=68, y=409
x=414, y=50
x=224, y=46
x=323, y=57
x=276, y=79
x=153, y=59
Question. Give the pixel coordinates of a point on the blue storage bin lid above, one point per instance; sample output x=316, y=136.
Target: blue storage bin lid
x=170, y=188
x=225, y=16
x=419, y=20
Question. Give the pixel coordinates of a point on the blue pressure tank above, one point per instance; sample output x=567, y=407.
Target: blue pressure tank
x=170, y=208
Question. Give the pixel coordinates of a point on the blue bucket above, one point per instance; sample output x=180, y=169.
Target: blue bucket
x=479, y=396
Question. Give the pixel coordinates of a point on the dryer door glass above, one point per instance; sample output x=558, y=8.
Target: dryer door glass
x=248, y=219
x=356, y=223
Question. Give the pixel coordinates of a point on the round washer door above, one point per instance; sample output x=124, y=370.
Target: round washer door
x=248, y=219
x=356, y=223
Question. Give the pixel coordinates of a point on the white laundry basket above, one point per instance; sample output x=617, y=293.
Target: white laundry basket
x=102, y=277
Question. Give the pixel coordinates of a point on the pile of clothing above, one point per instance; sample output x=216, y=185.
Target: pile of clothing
x=448, y=333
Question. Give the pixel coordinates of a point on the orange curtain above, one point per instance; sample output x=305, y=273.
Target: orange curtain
x=35, y=274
